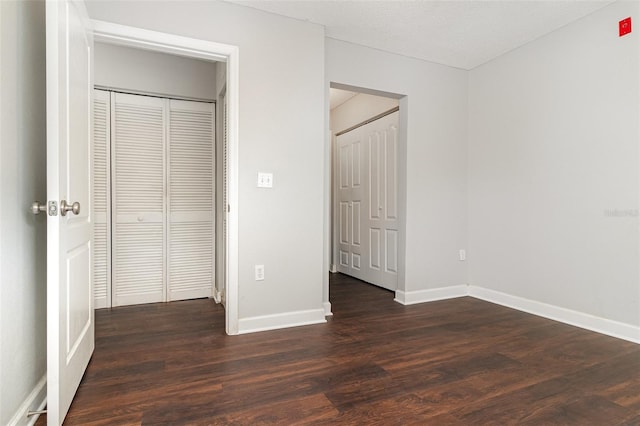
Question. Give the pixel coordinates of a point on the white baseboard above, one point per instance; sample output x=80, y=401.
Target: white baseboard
x=217, y=296
x=333, y=268
x=285, y=320
x=579, y=319
x=567, y=316
x=327, y=309
x=430, y=295
x=35, y=401
x=99, y=303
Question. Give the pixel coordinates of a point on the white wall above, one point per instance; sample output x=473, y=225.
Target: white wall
x=281, y=130
x=154, y=72
x=22, y=235
x=553, y=147
x=359, y=108
x=434, y=114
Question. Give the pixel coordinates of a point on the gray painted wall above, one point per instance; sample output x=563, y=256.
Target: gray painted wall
x=142, y=70
x=22, y=235
x=553, y=154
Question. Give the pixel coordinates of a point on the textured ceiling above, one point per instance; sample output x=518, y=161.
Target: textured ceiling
x=462, y=33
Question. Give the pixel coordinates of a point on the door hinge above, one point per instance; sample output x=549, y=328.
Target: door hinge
x=53, y=208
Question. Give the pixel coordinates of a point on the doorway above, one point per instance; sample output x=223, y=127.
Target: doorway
x=146, y=40
x=367, y=216
x=153, y=198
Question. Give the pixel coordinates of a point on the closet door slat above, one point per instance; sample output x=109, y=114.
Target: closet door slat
x=191, y=200
x=225, y=203
x=101, y=199
x=138, y=182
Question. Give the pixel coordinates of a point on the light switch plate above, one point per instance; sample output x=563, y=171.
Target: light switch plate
x=259, y=272
x=265, y=180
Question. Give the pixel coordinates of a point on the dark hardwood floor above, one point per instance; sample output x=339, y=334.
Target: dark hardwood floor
x=461, y=361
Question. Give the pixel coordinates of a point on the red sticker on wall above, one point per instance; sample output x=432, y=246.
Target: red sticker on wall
x=625, y=26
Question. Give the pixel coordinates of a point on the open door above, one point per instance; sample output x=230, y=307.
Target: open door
x=70, y=316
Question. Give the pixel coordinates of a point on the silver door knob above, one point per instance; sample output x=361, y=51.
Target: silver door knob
x=37, y=207
x=65, y=207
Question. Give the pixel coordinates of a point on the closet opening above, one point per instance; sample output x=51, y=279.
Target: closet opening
x=159, y=177
x=367, y=185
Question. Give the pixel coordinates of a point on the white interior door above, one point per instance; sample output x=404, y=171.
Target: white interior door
x=222, y=198
x=138, y=188
x=163, y=221
x=101, y=199
x=350, y=196
x=367, y=178
x=380, y=220
x=191, y=222
x=70, y=317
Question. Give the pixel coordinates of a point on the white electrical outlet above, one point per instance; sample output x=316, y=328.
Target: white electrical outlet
x=259, y=272
x=463, y=255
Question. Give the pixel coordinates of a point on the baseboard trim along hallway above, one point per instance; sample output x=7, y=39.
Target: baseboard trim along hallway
x=35, y=401
x=430, y=295
x=284, y=320
x=600, y=325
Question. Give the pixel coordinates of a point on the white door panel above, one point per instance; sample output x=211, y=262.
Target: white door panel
x=223, y=208
x=162, y=174
x=344, y=199
x=138, y=187
x=390, y=220
x=391, y=172
x=191, y=174
x=391, y=251
x=350, y=196
x=70, y=314
x=368, y=207
x=102, y=199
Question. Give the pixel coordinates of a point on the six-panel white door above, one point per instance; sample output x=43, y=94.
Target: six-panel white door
x=381, y=214
x=70, y=314
x=367, y=202
x=350, y=195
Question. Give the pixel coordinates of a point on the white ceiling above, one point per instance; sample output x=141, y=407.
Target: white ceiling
x=458, y=33
x=337, y=97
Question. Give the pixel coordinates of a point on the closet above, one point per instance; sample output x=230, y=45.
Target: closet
x=367, y=200
x=153, y=199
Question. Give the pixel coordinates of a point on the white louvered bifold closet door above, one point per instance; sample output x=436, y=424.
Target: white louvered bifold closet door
x=191, y=200
x=138, y=185
x=101, y=199
x=225, y=199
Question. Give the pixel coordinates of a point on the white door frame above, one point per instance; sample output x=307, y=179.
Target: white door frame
x=107, y=32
